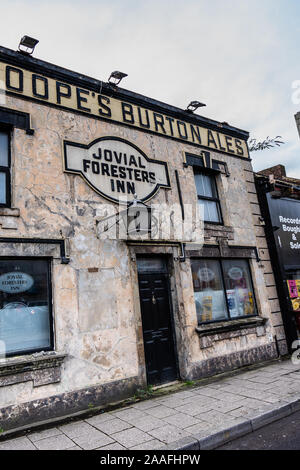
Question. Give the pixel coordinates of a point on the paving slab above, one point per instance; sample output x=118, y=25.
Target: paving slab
x=37, y=436
x=181, y=420
x=93, y=440
x=112, y=426
x=148, y=423
x=100, y=419
x=161, y=411
x=132, y=437
x=218, y=419
x=76, y=429
x=149, y=445
x=193, y=409
x=112, y=446
x=20, y=443
x=144, y=405
x=60, y=442
x=249, y=412
x=201, y=427
x=185, y=443
x=129, y=413
x=169, y=433
x=225, y=407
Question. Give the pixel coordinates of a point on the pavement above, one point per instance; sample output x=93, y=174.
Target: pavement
x=198, y=417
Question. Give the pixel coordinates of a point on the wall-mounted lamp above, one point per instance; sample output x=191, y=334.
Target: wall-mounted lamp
x=27, y=45
x=116, y=77
x=194, y=105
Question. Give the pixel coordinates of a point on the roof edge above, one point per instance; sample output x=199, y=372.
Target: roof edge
x=81, y=80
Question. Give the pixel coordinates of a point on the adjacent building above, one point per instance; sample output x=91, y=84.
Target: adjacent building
x=90, y=311
x=279, y=197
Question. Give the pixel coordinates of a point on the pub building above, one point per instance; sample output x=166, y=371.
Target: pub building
x=86, y=318
x=279, y=197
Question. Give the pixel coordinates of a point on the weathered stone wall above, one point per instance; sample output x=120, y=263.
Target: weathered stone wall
x=97, y=320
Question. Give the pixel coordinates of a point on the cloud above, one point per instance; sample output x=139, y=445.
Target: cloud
x=240, y=58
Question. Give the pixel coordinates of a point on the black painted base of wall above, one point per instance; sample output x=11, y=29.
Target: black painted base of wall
x=58, y=406
x=218, y=365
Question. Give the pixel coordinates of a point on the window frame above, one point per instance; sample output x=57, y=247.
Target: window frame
x=229, y=319
x=50, y=298
x=7, y=169
x=212, y=174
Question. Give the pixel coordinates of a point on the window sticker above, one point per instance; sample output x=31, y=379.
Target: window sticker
x=292, y=288
x=232, y=303
x=298, y=286
x=207, y=308
x=206, y=274
x=14, y=282
x=235, y=273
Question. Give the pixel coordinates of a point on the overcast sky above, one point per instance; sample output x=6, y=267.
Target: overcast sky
x=240, y=57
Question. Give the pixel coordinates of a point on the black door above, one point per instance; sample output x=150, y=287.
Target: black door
x=157, y=328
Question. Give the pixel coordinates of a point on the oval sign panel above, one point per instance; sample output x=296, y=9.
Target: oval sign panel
x=15, y=282
x=116, y=169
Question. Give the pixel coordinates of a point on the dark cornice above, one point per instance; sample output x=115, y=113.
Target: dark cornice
x=59, y=73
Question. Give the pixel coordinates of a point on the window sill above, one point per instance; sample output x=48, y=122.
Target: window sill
x=41, y=368
x=9, y=211
x=213, y=230
x=230, y=325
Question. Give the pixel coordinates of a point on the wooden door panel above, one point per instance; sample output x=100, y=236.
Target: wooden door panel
x=157, y=328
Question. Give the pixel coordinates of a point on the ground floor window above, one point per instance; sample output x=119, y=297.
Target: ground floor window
x=223, y=289
x=25, y=305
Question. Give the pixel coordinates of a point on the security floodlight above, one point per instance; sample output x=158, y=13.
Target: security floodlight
x=116, y=77
x=194, y=105
x=27, y=44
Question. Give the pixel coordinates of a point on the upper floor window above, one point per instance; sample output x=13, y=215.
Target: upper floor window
x=4, y=168
x=208, y=196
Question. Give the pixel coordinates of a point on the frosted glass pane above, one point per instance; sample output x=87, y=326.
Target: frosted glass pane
x=2, y=188
x=24, y=305
x=3, y=149
x=24, y=328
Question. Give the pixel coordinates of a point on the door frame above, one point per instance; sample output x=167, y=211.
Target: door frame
x=167, y=258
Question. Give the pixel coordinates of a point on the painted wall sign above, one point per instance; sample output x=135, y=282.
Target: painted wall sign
x=16, y=281
x=48, y=90
x=116, y=169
